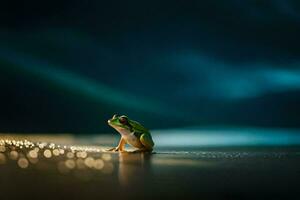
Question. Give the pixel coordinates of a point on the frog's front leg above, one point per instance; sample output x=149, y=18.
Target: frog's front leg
x=120, y=146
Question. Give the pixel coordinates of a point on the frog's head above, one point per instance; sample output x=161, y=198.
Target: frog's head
x=121, y=122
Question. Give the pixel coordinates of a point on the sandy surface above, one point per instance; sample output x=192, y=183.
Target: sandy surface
x=66, y=167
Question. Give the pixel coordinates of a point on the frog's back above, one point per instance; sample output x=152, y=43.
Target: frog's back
x=137, y=127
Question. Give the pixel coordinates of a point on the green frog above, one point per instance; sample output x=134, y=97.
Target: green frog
x=132, y=133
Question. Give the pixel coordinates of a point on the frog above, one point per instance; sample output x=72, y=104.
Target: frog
x=132, y=133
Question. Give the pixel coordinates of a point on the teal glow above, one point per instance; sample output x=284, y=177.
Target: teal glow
x=225, y=137
x=229, y=81
x=82, y=85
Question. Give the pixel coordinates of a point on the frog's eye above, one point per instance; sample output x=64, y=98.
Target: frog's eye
x=123, y=120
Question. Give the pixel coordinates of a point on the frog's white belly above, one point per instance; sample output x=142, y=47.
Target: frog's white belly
x=130, y=138
x=133, y=140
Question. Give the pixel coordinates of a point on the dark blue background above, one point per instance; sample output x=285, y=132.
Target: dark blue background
x=67, y=66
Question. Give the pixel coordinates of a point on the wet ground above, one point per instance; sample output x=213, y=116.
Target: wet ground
x=67, y=167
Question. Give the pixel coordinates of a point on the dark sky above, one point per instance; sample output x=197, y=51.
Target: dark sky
x=67, y=66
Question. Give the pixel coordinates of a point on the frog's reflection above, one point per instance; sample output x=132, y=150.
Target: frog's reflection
x=134, y=168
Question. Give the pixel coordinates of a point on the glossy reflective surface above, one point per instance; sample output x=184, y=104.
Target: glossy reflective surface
x=49, y=167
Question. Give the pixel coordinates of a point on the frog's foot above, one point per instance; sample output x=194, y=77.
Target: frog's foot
x=116, y=149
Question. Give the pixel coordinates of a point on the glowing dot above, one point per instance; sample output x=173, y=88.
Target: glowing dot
x=98, y=164
x=32, y=154
x=70, y=155
x=2, y=148
x=72, y=148
x=23, y=163
x=89, y=161
x=47, y=153
x=36, y=149
x=61, y=151
x=13, y=155
x=52, y=146
x=106, y=156
x=42, y=145
x=2, y=158
x=55, y=152
x=70, y=164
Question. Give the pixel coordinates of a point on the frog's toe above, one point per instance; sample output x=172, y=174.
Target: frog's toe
x=113, y=149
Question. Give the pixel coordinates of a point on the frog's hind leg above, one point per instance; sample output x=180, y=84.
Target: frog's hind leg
x=147, y=141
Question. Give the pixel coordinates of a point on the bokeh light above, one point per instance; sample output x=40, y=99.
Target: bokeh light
x=47, y=153
x=23, y=163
